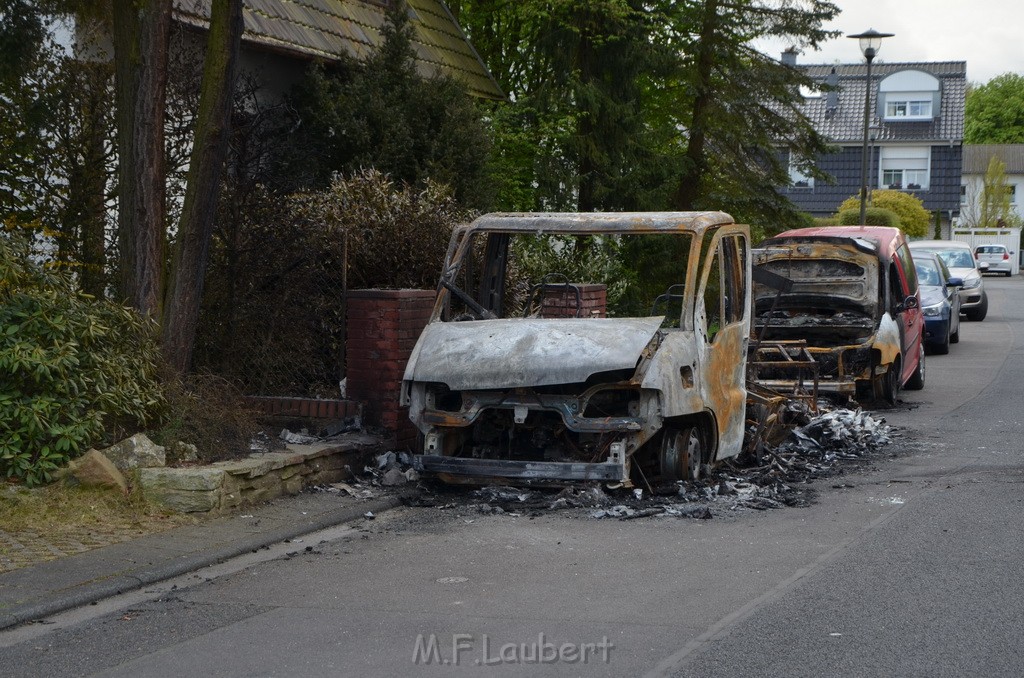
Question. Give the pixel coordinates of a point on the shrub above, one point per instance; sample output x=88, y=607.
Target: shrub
x=71, y=367
x=209, y=412
x=273, y=313
x=873, y=216
x=914, y=219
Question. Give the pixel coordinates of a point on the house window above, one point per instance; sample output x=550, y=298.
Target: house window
x=909, y=95
x=1011, y=190
x=797, y=176
x=905, y=168
x=963, y=194
x=912, y=108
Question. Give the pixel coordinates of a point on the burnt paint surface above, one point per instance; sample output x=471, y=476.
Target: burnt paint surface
x=679, y=372
x=829, y=276
x=512, y=353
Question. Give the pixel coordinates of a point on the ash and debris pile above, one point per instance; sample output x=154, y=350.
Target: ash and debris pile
x=328, y=433
x=838, y=434
x=389, y=470
x=777, y=476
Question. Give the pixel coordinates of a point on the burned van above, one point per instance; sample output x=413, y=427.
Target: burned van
x=852, y=297
x=562, y=347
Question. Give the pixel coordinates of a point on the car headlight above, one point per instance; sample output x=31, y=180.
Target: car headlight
x=972, y=282
x=932, y=311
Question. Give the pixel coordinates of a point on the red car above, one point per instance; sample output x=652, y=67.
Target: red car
x=854, y=300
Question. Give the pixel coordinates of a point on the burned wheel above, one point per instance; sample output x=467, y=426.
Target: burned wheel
x=916, y=381
x=682, y=453
x=887, y=385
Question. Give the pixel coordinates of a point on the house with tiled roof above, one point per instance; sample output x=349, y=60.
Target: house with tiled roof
x=282, y=36
x=976, y=160
x=916, y=129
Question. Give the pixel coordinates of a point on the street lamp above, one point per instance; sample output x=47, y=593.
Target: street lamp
x=870, y=42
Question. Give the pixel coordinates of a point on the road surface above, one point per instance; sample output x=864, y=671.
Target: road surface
x=912, y=567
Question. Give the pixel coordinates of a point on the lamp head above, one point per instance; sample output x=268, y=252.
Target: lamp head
x=870, y=42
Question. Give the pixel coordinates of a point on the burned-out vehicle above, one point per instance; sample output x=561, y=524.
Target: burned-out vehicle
x=851, y=303
x=598, y=346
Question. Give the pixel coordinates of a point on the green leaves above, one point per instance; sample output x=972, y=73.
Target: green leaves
x=994, y=112
x=69, y=365
x=382, y=114
x=911, y=215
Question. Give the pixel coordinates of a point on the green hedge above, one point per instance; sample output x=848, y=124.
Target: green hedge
x=70, y=366
x=873, y=216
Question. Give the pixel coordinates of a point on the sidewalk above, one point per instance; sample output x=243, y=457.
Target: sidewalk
x=37, y=591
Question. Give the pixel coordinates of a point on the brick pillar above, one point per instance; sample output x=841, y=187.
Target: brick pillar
x=383, y=326
x=561, y=303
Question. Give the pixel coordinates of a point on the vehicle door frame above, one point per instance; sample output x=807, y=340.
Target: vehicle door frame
x=722, y=357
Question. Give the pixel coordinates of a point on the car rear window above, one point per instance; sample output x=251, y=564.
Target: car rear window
x=928, y=273
x=990, y=249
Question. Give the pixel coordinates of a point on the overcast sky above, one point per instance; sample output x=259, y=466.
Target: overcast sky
x=987, y=34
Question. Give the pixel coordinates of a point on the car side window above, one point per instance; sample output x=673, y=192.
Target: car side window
x=734, y=259
x=714, y=296
x=897, y=291
x=906, y=263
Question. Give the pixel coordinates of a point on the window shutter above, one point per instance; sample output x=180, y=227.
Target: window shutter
x=936, y=101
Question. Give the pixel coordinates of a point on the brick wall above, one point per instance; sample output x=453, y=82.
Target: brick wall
x=561, y=303
x=383, y=326
x=305, y=408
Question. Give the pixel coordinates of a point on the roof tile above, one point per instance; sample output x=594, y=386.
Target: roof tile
x=335, y=28
x=845, y=123
x=977, y=156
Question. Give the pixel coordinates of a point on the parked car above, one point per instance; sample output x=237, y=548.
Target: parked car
x=959, y=259
x=940, y=302
x=998, y=258
x=528, y=371
x=853, y=299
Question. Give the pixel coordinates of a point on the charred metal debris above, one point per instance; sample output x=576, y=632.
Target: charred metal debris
x=819, y=445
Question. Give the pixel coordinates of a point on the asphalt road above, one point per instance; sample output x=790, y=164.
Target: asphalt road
x=909, y=568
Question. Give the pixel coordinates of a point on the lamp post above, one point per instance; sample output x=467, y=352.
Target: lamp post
x=870, y=42
x=874, y=131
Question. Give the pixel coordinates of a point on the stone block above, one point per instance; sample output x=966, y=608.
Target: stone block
x=202, y=479
x=93, y=469
x=291, y=471
x=136, y=452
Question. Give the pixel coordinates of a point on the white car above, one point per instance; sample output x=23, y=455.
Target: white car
x=960, y=261
x=998, y=257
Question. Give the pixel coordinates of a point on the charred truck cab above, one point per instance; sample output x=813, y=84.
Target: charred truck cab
x=567, y=347
x=853, y=300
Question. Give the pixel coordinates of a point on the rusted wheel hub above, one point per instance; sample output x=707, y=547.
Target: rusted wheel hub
x=682, y=453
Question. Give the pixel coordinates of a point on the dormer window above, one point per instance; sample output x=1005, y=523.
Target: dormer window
x=907, y=96
x=908, y=108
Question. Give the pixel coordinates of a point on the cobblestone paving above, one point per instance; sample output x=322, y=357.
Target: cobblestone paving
x=21, y=549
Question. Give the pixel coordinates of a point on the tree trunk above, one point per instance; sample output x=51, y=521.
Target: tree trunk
x=94, y=181
x=209, y=148
x=688, y=190
x=141, y=31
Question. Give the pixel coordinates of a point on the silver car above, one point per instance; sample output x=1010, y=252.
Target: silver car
x=998, y=258
x=959, y=259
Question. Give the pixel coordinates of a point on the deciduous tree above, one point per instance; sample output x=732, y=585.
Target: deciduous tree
x=141, y=32
x=994, y=112
x=989, y=204
x=913, y=217
x=209, y=149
